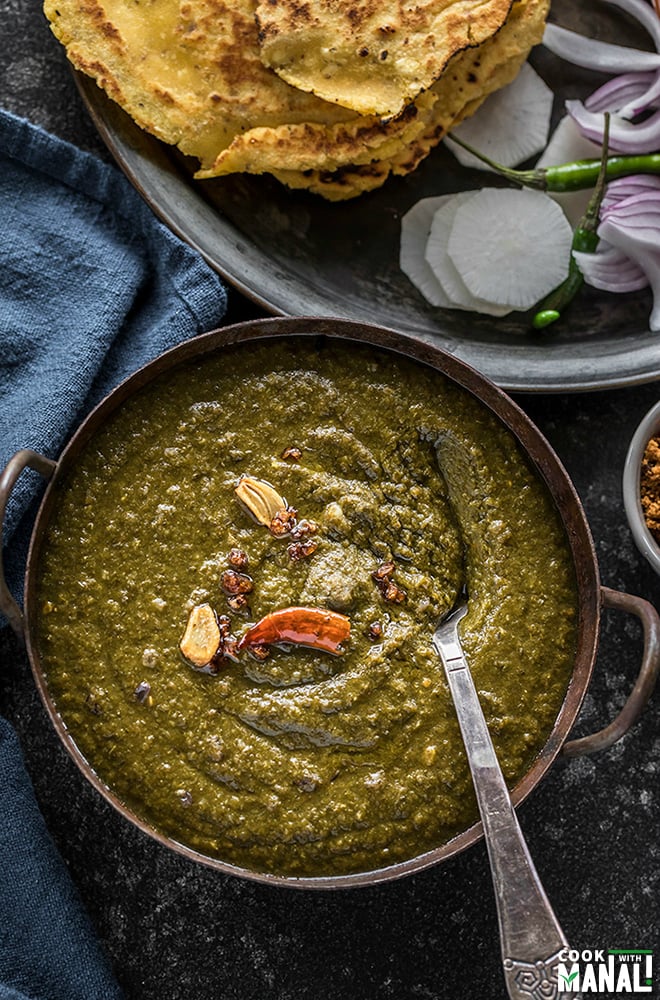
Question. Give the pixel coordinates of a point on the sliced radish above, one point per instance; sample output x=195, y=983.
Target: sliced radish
x=511, y=125
x=415, y=229
x=442, y=265
x=510, y=247
x=566, y=145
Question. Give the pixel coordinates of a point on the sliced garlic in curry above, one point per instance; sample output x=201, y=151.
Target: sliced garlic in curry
x=202, y=638
x=259, y=498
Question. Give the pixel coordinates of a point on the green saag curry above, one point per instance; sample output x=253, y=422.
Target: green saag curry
x=290, y=759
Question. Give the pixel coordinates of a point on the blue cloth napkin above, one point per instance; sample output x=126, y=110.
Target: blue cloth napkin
x=48, y=950
x=92, y=286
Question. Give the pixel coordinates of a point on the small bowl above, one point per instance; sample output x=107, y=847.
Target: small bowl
x=648, y=428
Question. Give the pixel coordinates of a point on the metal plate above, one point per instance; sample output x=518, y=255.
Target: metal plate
x=296, y=254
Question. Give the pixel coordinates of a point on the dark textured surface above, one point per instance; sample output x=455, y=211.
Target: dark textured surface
x=175, y=930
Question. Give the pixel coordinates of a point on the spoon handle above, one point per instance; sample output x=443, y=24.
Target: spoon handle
x=531, y=938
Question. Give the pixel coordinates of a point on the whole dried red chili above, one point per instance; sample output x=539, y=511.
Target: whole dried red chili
x=313, y=627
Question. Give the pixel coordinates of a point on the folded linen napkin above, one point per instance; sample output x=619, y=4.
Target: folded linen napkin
x=91, y=287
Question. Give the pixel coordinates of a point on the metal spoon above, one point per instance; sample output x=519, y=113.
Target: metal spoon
x=531, y=939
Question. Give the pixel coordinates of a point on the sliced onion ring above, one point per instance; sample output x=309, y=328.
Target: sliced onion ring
x=592, y=53
x=624, y=136
x=627, y=187
x=641, y=212
x=610, y=269
x=628, y=94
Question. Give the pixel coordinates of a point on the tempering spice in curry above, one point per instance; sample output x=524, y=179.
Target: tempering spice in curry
x=269, y=754
x=650, y=487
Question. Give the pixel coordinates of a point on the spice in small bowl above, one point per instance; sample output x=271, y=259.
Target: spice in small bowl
x=649, y=486
x=641, y=486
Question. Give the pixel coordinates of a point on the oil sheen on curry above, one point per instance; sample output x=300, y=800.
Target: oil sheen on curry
x=239, y=587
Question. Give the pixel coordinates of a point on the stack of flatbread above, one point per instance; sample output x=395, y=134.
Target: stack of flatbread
x=327, y=95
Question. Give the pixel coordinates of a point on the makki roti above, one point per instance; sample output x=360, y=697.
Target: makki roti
x=479, y=71
x=190, y=72
x=373, y=56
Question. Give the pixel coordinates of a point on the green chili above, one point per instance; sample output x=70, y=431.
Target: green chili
x=574, y=176
x=585, y=238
